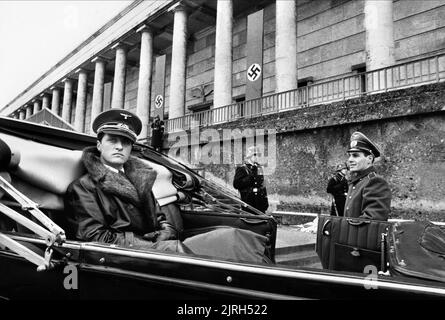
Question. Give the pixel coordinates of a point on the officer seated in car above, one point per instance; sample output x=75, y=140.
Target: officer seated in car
x=113, y=202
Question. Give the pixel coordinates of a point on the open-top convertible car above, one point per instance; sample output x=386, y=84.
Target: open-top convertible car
x=39, y=258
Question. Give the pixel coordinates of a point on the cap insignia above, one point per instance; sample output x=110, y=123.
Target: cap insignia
x=125, y=116
x=123, y=125
x=353, y=143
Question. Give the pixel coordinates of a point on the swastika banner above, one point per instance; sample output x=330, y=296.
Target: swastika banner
x=159, y=88
x=254, y=74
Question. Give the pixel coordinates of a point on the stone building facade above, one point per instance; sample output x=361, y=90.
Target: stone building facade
x=296, y=61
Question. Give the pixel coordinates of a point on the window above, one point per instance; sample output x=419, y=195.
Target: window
x=240, y=105
x=360, y=69
x=304, y=82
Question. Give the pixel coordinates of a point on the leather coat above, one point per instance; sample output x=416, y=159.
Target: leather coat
x=115, y=208
x=369, y=196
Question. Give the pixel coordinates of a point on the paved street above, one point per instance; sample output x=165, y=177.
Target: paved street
x=296, y=247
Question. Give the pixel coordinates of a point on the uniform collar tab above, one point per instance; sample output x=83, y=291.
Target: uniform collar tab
x=360, y=174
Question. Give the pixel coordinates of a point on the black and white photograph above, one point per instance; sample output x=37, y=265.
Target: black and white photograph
x=245, y=151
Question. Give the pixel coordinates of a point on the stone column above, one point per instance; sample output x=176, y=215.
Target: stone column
x=55, y=103
x=45, y=100
x=22, y=114
x=379, y=26
x=81, y=101
x=36, y=106
x=223, y=55
x=144, y=83
x=28, y=111
x=67, y=100
x=118, y=98
x=286, y=46
x=98, y=89
x=178, y=66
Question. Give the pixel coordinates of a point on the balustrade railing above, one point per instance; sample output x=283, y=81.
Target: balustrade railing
x=408, y=74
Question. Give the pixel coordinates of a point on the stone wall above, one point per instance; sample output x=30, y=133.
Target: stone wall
x=330, y=37
x=419, y=28
x=131, y=88
x=408, y=125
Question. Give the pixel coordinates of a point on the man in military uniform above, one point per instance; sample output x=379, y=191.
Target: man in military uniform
x=369, y=195
x=249, y=181
x=113, y=202
x=338, y=187
x=157, y=133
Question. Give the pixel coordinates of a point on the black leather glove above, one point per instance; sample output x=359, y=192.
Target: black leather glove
x=167, y=232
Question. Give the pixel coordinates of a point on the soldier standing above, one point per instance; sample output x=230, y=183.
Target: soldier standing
x=157, y=133
x=249, y=181
x=369, y=195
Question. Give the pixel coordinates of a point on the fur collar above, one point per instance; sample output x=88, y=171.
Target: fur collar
x=135, y=187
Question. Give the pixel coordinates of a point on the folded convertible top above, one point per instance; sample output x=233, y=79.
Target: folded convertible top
x=417, y=249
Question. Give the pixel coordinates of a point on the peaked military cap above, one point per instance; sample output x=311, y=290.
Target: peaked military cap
x=360, y=142
x=119, y=122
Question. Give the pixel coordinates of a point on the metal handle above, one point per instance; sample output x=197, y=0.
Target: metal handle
x=355, y=252
x=383, y=250
x=249, y=221
x=323, y=230
x=354, y=222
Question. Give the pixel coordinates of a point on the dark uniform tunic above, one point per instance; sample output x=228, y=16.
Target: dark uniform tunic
x=249, y=181
x=157, y=134
x=369, y=196
x=338, y=187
